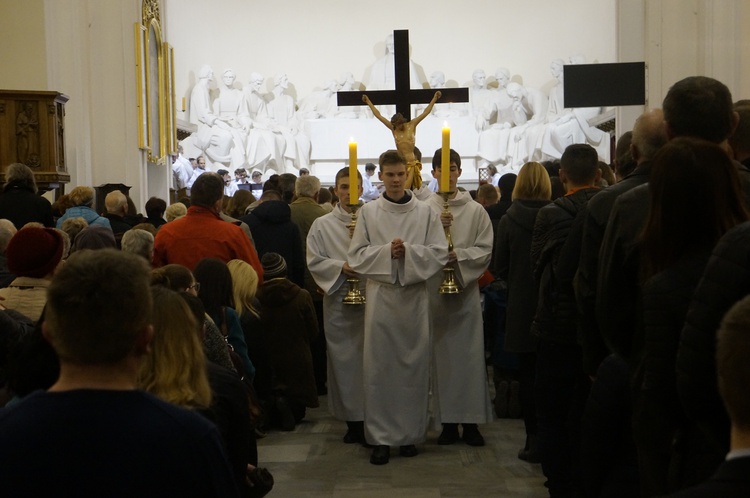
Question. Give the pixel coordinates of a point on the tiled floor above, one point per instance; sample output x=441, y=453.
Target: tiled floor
x=312, y=461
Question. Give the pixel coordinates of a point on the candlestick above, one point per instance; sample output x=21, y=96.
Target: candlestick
x=449, y=284
x=445, y=163
x=353, y=191
x=353, y=295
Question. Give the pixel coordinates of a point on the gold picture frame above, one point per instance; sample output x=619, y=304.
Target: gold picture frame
x=157, y=124
x=140, y=84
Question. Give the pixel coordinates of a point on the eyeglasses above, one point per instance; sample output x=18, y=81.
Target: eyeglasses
x=196, y=286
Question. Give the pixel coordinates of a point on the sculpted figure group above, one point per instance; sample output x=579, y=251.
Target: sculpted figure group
x=241, y=129
x=246, y=128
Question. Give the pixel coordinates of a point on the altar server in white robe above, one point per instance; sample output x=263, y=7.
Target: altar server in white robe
x=327, y=246
x=398, y=245
x=460, y=376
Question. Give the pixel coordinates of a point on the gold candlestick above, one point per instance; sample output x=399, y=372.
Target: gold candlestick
x=449, y=285
x=353, y=295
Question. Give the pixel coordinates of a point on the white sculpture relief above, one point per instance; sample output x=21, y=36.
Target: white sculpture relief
x=281, y=111
x=212, y=138
x=270, y=136
x=320, y=104
x=493, y=142
x=480, y=100
x=529, y=112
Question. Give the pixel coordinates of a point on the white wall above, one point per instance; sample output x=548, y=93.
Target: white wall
x=316, y=41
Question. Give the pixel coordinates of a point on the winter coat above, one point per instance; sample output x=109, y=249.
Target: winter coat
x=21, y=205
x=595, y=223
x=555, y=252
x=273, y=231
x=513, y=264
x=290, y=324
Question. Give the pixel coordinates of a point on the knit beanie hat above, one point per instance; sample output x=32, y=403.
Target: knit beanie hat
x=274, y=265
x=34, y=252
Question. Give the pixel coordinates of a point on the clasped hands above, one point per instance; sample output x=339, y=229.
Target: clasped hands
x=397, y=249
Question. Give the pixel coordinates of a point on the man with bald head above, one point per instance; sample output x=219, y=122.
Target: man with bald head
x=649, y=134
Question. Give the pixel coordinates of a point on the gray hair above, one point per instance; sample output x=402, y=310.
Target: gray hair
x=138, y=242
x=73, y=226
x=7, y=231
x=174, y=211
x=20, y=173
x=307, y=186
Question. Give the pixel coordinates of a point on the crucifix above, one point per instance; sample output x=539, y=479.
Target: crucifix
x=403, y=96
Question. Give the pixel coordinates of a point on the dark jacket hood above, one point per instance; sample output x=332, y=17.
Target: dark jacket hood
x=277, y=292
x=273, y=212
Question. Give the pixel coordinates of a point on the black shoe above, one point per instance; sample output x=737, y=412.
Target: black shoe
x=530, y=453
x=449, y=434
x=286, y=417
x=471, y=435
x=380, y=455
x=408, y=451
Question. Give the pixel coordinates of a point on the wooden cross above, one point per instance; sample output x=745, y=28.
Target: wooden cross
x=403, y=96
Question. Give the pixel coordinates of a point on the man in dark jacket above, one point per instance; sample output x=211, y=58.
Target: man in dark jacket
x=273, y=231
x=648, y=137
x=561, y=385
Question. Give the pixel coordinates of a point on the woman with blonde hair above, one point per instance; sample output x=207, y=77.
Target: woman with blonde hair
x=513, y=264
x=175, y=368
x=244, y=288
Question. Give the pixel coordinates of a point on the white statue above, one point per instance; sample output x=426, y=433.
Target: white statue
x=529, y=113
x=281, y=111
x=480, y=99
x=263, y=126
x=213, y=136
x=570, y=126
x=493, y=141
x=382, y=75
x=231, y=114
x=501, y=99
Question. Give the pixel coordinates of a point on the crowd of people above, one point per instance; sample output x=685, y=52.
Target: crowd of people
x=611, y=305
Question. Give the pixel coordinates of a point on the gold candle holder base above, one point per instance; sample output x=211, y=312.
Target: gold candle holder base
x=449, y=284
x=353, y=295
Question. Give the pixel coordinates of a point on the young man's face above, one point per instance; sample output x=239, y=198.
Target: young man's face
x=370, y=172
x=227, y=179
x=202, y=163
x=256, y=178
x=342, y=189
x=453, y=178
x=393, y=177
